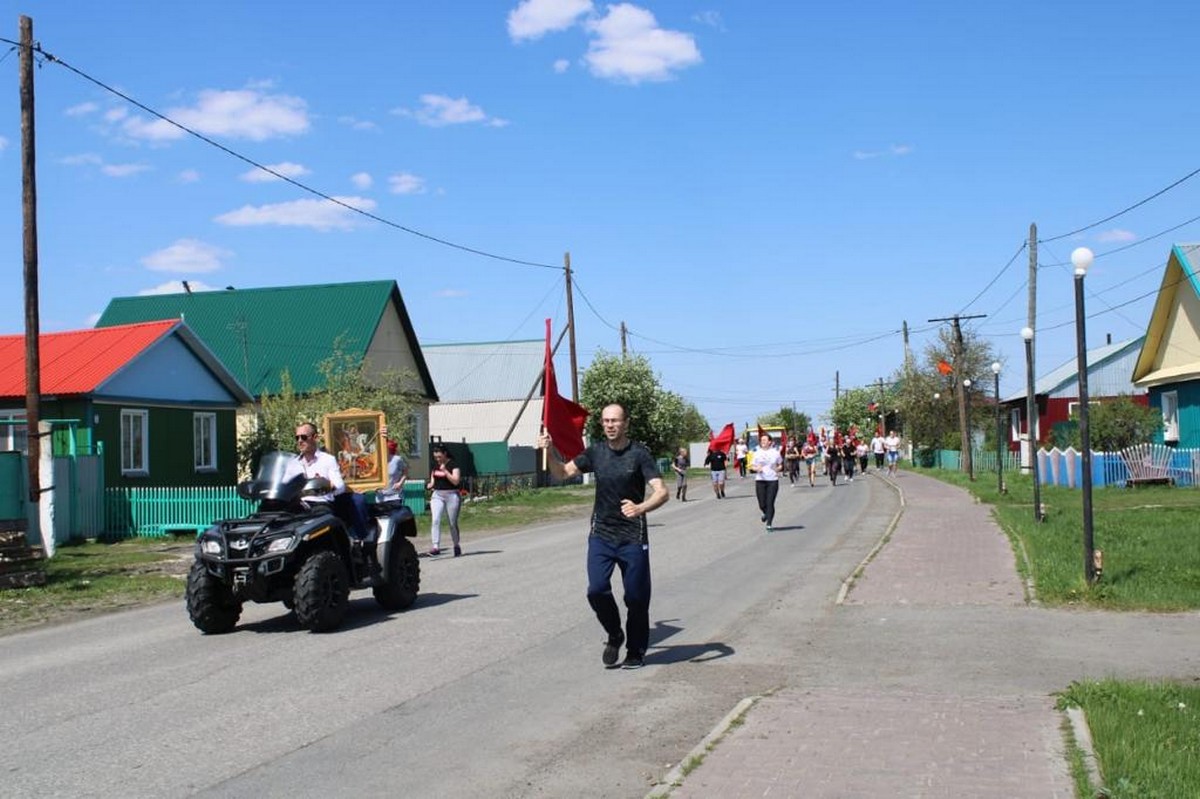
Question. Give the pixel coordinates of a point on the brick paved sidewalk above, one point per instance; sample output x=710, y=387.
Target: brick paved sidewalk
x=822, y=741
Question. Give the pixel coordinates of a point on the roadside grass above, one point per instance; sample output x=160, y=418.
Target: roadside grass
x=88, y=578
x=1146, y=736
x=1149, y=537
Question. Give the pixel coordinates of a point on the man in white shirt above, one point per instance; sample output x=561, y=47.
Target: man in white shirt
x=878, y=448
x=892, y=445
x=315, y=462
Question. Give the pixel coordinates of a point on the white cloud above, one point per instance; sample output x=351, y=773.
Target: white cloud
x=174, y=287
x=82, y=159
x=406, y=183
x=114, y=115
x=532, y=19
x=354, y=123
x=285, y=168
x=189, y=176
x=186, y=255
x=123, y=170
x=438, y=110
x=3, y=143
x=628, y=46
x=710, y=18
x=1117, y=235
x=238, y=114
x=450, y=293
x=561, y=65
x=317, y=214
x=361, y=180
x=896, y=150
x=83, y=109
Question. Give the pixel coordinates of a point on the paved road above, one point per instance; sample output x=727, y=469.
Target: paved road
x=491, y=686
x=935, y=679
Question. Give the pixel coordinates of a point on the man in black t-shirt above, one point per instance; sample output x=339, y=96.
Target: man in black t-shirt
x=618, y=536
x=715, y=460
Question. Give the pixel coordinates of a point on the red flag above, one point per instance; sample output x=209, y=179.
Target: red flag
x=872, y=406
x=944, y=367
x=563, y=419
x=723, y=440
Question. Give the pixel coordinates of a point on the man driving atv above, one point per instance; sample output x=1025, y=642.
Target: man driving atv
x=315, y=462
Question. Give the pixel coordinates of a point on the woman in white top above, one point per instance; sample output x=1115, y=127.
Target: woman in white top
x=766, y=465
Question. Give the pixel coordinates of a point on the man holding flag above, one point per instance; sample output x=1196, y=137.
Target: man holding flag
x=718, y=453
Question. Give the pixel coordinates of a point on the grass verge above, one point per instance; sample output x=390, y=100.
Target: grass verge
x=1146, y=736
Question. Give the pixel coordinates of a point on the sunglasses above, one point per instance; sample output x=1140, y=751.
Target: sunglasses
x=302, y=437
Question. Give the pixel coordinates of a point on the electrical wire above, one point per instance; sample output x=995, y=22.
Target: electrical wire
x=1003, y=269
x=302, y=186
x=1122, y=212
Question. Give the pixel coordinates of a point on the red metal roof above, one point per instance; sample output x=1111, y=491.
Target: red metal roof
x=76, y=361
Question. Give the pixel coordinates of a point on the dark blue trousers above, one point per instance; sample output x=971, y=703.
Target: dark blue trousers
x=634, y=560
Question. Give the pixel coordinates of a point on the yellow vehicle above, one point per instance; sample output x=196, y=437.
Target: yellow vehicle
x=750, y=434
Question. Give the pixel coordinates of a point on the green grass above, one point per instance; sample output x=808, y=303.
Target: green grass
x=83, y=578
x=1150, y=538
x=1146, y=736
x=523, y=508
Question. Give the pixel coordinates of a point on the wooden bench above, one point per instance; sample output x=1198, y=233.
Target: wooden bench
x=1148, y=464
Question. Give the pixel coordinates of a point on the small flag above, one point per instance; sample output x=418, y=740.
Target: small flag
x=944, y=367
x=563, y=419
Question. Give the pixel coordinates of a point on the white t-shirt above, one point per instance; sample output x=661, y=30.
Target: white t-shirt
x=322, y=465
x=892, y=443
x=767, y=463
x=877, y=445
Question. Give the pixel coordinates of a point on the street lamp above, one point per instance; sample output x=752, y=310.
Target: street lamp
x=999, y=432
x=937, y=427
x=967, y=444
x=1031, y=422
x=1082, y=259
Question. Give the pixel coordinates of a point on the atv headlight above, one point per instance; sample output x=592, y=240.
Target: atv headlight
x=281, y=544
x=210, y=546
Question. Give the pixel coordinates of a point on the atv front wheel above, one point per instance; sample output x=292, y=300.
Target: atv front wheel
x=210, y=602
x=403, y=578
x=322, y=592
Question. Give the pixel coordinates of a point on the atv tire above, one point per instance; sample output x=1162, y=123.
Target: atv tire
x=210, y=602
x=403, y=580
x=322, y=592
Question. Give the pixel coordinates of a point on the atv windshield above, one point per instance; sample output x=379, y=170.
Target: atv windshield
x=279, y=478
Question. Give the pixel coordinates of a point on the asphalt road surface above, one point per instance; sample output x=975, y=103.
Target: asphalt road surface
x=490, y=686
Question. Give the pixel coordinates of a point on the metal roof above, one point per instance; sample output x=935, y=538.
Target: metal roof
x=78, y=362
x=486, y=372
x=1068, y=372
x=259, y=332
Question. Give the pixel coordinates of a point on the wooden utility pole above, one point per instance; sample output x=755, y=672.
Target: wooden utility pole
x=964, y=426
x=1031, y=405
x=33, y=372
x=571, y=328
x=837, y=386
x=624, y=341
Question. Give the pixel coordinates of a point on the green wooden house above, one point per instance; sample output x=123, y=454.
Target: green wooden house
x=259, y=333
x=151, y=396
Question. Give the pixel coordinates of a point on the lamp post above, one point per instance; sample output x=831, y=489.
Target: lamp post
x=966, y=445
x=999, y=431
x=937, y=427
x=1081, y=258
x=1031, y=422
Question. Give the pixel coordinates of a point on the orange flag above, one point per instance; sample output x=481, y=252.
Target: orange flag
x=944, y=367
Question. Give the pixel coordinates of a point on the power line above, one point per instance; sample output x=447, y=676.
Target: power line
x=302, y=186
x=1138, y=243
x=1124, y=211
x=1003, y=269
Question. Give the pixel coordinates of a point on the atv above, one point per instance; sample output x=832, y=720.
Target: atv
x=301, y=554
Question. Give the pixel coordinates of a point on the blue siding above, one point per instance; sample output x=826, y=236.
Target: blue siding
x=167, y=371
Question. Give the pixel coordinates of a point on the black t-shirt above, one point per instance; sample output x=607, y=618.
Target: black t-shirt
x=715, y=461
x=620, y=474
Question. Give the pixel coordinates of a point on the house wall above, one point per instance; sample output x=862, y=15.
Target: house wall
x=169, y=446
x=389, y=351
x=1189, y=411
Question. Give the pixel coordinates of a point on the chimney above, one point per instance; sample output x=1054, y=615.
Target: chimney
x=1108, y=338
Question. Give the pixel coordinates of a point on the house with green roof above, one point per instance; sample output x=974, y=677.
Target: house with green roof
x=259, y=333
x=1168, y=365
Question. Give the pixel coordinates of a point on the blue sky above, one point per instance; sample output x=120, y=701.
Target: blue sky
x=762, y=192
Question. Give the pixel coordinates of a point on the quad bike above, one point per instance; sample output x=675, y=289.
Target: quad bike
x=301, y=554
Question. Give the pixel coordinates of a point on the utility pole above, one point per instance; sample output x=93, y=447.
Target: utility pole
x=907, y=351
x=1032, y=409
x=624, y=341
x=964, y=427
x=571, y=328
x=837, y=386
x=33, y=371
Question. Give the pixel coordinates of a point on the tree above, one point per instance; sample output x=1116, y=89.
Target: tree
x=658, y=418
x=349, y=383
x=795, y=421
x=860, y=408
x=1116, y=424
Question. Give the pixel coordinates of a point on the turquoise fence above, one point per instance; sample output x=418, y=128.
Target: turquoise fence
x=157, y=512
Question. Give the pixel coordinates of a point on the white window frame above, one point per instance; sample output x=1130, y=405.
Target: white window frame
x=204, y=452
x=414, y=442
x=1170, y=412
x=135, y=463
x=14, y=437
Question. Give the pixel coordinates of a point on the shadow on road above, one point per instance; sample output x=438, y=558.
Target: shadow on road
x=682, y=653
x=362, y=612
